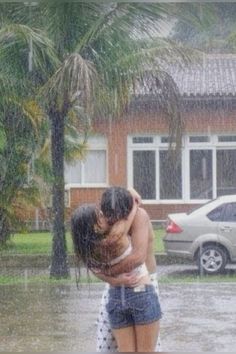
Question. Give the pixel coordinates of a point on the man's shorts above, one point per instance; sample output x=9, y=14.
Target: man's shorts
x=133, y=306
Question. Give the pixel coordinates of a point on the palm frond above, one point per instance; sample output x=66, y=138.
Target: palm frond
x=73, y=82
x=20, y=39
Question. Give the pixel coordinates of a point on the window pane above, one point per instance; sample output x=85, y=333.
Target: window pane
x=144, y=172
x=95, y=167
x=230, y=212
x=217, y=213
x=199, y=139
x=170, y=176
x=72, y=172
x=226, y=138
x=201, y=174
x=226, y=172
x=143, y=139
x=166, y=140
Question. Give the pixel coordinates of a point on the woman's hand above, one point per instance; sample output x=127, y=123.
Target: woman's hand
x=126, y=279
x=136, y=196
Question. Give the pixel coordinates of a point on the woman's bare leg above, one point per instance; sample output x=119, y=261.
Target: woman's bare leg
x=125, y=339
x=147, y=336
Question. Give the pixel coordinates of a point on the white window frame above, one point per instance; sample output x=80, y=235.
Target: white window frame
x=92, y=146
x=187, y=146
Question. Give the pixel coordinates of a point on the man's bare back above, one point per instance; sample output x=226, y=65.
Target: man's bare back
x=150, y=256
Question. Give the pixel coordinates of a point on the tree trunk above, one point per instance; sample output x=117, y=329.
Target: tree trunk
x=59, y=265
x=4, y=229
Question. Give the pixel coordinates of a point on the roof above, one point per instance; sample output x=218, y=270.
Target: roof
x=213, y=76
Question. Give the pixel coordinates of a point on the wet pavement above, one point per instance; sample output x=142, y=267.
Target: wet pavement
x=197, y=317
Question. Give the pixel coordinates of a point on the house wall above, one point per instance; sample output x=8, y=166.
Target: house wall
x=145, y=121
x=195, y=121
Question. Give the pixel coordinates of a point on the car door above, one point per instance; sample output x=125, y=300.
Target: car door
x=227, y=227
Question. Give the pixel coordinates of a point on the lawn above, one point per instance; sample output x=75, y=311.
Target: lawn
x=40, y=243
x=32, y=243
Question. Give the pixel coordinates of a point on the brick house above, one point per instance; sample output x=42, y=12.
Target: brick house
x=132, y=150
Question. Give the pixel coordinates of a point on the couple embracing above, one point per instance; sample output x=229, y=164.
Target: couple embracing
x=115, y=241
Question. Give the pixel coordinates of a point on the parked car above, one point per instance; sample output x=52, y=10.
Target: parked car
x=206, y=235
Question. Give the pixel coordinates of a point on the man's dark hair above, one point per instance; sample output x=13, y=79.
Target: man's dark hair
x=116, y=204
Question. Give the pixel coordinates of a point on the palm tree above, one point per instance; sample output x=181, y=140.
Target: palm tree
x=20, y=118
x=101, y=54
x=208, y=27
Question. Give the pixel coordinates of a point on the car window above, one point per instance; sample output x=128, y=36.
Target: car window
x=230, y=212
x=217, y=214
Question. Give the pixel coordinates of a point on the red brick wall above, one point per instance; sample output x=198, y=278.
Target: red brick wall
x=117, y=132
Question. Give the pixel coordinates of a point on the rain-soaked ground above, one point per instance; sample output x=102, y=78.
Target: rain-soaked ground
x=197, y=317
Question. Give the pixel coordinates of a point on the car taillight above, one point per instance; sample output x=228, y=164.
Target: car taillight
x=173, y=228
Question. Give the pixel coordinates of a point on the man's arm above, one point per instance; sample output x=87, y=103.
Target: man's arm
x=139, y=240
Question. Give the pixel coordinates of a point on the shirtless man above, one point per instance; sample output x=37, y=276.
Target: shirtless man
x=142, y=240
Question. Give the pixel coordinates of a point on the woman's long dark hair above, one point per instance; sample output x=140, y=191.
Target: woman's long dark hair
x=84, y=236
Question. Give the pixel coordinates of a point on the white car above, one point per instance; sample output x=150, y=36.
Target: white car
x=207, y=234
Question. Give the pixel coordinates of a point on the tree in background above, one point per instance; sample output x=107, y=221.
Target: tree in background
x=209, y=27
x=99, y=52
x=102, y=53
x=20, y=119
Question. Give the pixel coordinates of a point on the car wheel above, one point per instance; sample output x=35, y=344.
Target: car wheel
x=212, y=259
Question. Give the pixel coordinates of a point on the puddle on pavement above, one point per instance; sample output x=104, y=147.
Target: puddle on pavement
x=41, y=317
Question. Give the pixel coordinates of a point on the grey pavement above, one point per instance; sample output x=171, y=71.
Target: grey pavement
x=199, y=317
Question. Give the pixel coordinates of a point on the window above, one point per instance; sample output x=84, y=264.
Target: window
x=204, y=169
x=199, y=139
x=170, y=176
x=226, y=172
x=230, y=212
x=73, y=172
x=143, y=140
x=92, y=169
x=200, y=174
x=227, y=138
x=95, y=167
x=217, y=214
x=166, y=140
x=144, y=173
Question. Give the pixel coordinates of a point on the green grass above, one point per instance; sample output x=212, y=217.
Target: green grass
x=45, y=279
x=41, y=243
x=159, y=246
x=37, y=279
x=32, y=243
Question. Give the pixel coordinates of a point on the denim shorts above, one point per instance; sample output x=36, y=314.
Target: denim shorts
x=132, y=306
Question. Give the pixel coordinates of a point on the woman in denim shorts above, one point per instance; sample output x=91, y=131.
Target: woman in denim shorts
x=134, y=312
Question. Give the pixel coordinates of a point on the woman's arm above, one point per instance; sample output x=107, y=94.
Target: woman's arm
x=126, y=279
x=136, y=196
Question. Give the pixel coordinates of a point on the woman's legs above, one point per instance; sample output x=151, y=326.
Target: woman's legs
x=146, y=336
x=154, y=282
x=125, y=339
x=105, y=340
